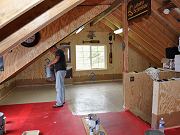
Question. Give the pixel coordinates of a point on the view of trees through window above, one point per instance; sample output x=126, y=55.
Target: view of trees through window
x=90, y=57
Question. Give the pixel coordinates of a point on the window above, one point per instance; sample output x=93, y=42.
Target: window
x=89, y=57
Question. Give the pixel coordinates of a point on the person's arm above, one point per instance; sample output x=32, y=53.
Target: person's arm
x=54, y=61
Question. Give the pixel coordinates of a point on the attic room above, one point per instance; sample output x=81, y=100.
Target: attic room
x=90, y=67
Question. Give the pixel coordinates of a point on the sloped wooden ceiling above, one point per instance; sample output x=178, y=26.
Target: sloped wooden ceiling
x=11, y=9
x=54, y=24
x=151, y=35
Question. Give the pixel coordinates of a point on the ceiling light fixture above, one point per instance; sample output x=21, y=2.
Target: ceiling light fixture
x=166, y=11
x=80, y=29
x=118, y=31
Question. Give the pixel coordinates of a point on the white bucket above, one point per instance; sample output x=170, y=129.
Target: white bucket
x=50, y=74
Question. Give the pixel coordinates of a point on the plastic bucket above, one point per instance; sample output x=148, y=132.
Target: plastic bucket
x=49, y=72
x=50, y=76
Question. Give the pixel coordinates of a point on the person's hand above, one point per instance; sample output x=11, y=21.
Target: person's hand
x=48, y=65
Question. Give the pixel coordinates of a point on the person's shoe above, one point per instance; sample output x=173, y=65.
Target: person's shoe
x=56, y=106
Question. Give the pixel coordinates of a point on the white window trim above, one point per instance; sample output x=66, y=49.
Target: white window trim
x=94, y=69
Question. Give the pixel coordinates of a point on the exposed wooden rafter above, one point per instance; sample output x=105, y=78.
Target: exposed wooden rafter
x=37, y=24
x=139, y=29
x=125, y=37
x=176, y=2
x=135, y=42
x=144, y=32
x=20, y=57
x=10, y=9
x=168, y=19
x=113, y=7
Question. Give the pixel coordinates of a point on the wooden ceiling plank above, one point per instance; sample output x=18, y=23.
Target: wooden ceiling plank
x=97, y=2
x=140, y=47
x=113, y=7
x=37, y=24
x=109, y=24
x=145, y=44
x=143, y=51
x=165, y=18
x=148, y=38
x=152, y=31
x=114, y=20
x=143, y=32
x=176, y=2
x=21, y=56
x=163, y=28
x=11, y=9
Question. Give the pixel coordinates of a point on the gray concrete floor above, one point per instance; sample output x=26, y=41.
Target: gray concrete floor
x=82, y=99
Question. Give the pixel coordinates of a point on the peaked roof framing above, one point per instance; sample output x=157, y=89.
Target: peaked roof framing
x=113, y=7
x=10, y=9
x=37, y=24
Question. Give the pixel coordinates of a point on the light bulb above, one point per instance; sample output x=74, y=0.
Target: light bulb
x=166, y=11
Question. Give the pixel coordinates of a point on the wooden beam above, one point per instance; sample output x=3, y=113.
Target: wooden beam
x=114, y=20
x=125, y=36
x=135, y=44
x=144, y=41
x=152, y=50
x=20, y=56
x=138, y=27
x=109, y=24
x=144, y=52
x=113, y=7
x=168, y=19
x=11, y=9
x=153, y=27
x=37, y=24
x=176, y=2
x=97, y=2
x=167, y=31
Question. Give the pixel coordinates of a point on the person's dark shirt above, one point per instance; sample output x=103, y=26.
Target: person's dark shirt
x=61, y=63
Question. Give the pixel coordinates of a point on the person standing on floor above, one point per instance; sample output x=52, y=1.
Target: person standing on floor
x=59, y=64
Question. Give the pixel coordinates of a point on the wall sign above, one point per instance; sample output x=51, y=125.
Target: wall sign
x=137, y=8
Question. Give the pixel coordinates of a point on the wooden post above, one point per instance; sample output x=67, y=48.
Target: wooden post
x=125, y=36
x=125, y=51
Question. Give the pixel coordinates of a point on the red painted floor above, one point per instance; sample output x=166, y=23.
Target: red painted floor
x=41, y=116
x=60, y=121
x=123, y=123
x=175, y=131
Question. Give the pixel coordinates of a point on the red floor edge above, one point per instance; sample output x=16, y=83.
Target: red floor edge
x=60, y=121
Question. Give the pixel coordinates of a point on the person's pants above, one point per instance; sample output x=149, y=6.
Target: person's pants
x=60, y=90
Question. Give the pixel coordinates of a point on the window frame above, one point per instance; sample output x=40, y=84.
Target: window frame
x=93, y=69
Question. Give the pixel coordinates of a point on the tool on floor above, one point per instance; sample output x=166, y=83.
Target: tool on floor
x=93, y=124
x=31, y=132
